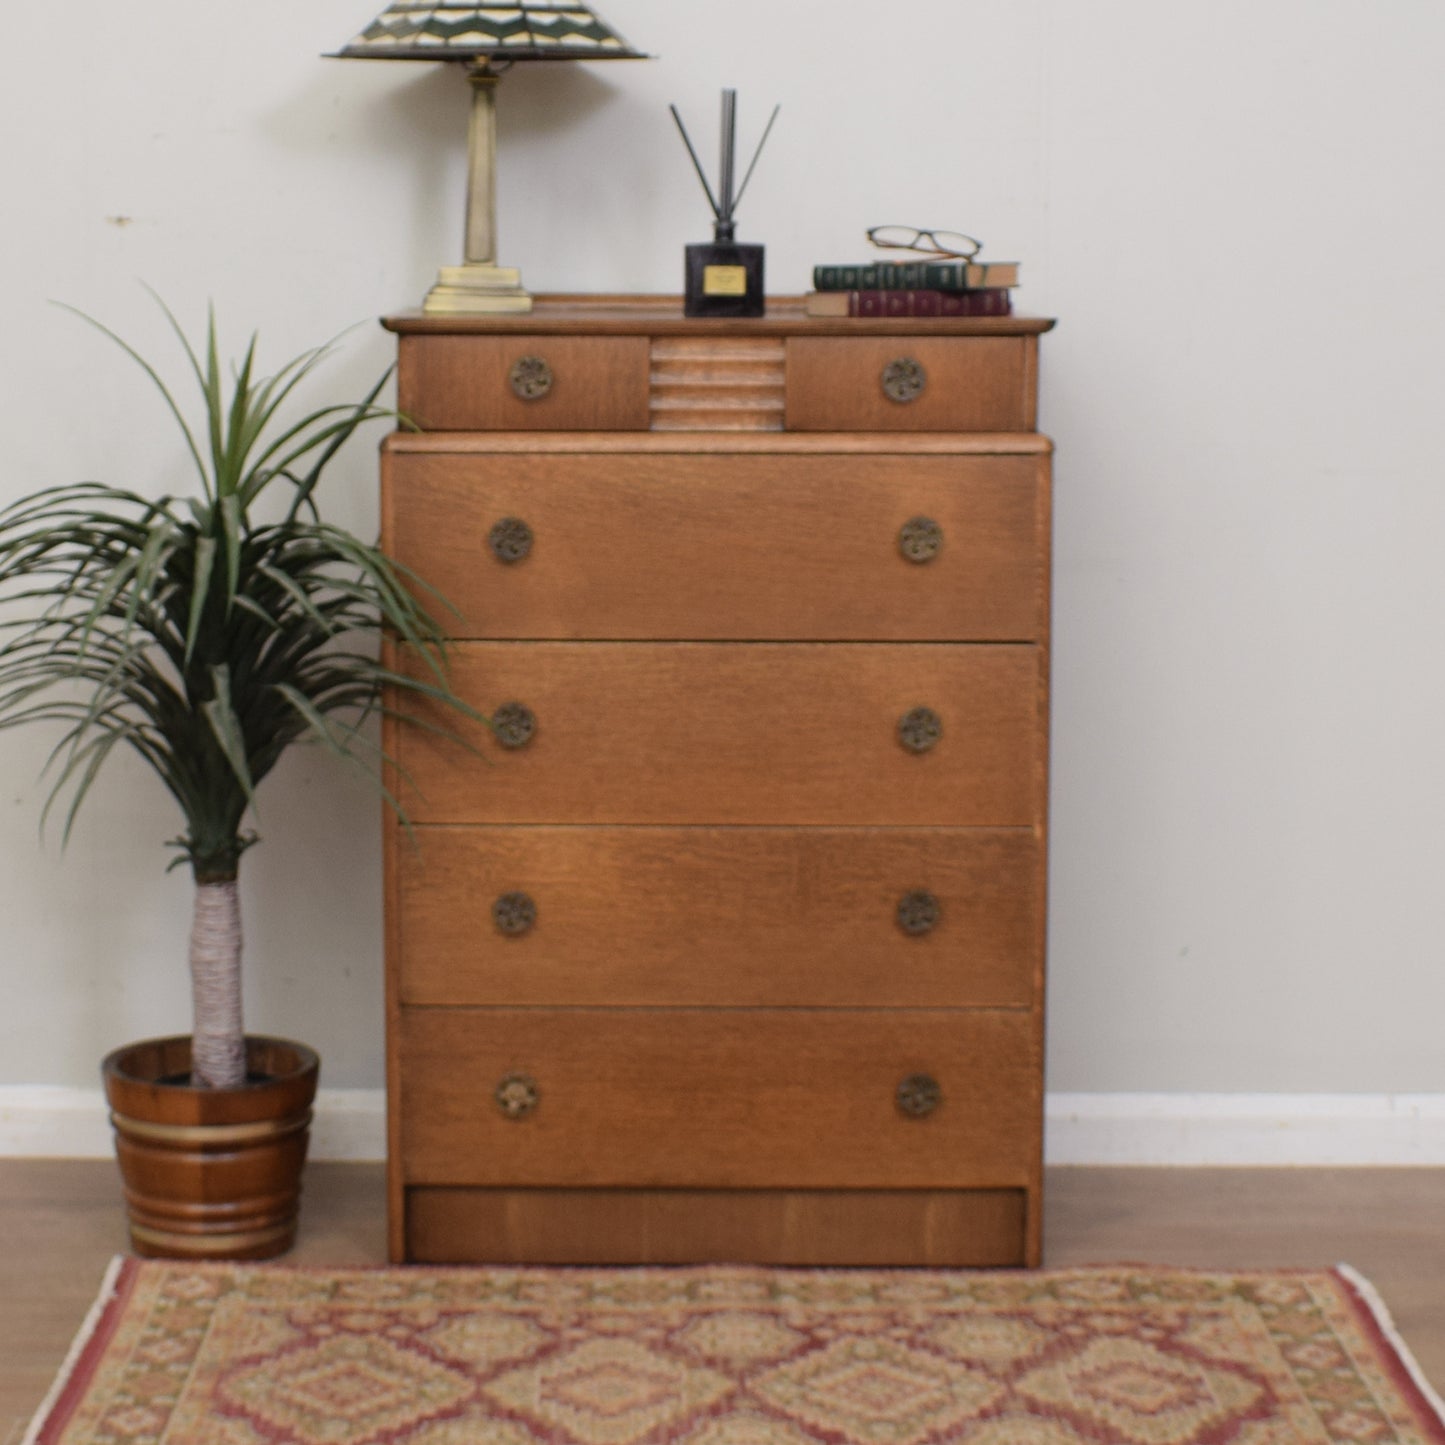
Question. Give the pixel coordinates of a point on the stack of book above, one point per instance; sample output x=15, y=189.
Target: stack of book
x=913, y=288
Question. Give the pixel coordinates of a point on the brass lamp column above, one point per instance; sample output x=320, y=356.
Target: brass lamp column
x=489, y=37
x=479, y=284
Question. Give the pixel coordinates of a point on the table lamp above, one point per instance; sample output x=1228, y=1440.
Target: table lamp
x=488, y=39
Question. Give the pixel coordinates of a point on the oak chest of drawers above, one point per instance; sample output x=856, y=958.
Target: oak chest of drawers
x=726, y=942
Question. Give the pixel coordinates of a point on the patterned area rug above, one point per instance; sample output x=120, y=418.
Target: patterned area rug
x=269, y=1355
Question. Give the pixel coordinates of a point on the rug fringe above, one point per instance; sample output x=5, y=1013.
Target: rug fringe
x=1370, y=1297
x=77, y=1350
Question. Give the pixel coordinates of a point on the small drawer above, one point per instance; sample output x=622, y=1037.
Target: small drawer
x=524, y=383
x=744, y=917
x=766, y=733
x=737, y=1098
x=778, y=545
x=911, y=383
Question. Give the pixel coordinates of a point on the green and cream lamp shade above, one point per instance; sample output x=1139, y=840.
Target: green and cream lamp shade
x=489, y=39
x=425, y=30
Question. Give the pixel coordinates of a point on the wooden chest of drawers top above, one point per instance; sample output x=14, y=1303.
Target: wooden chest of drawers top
x=636, y=364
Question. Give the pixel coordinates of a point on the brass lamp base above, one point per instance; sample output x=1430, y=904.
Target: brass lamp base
x=476, y=290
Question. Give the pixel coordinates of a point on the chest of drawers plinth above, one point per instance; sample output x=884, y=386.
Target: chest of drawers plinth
x=726, y=943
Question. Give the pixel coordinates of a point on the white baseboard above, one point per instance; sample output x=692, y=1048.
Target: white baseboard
x=41, y=1120
x=1245, y=1129
x=47, y=1121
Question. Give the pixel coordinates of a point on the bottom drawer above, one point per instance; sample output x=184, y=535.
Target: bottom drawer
x=719, y=1098
x=884, y=1228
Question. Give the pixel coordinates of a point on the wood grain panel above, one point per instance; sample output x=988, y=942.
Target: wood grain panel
x=460, y=383
x=737, y=733
x=883, y=1228
x=717, y=384
x=974, y=383
x=730, y=916
x=720, y=1098
x=726, y=545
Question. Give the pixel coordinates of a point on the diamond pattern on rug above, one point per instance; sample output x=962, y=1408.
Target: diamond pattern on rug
x=487, y=1339
x=474, y=1427
x=739, y=1338
x=347, y=1388
x=1140, y=1394
x=609, y=1391
x=989, y=1339
x=1021, y=1430
x=264, y=1355
x=746, y=1428
x=878, y=1390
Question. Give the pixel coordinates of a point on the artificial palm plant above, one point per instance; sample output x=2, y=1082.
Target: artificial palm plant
x=206, y=637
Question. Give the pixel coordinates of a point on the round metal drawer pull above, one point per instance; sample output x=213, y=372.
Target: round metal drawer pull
x=904, y=380
x=517, y=1095
x=918, y=1095
x=919, y=539
x=918, y=913
x=514, y=914
x=920, y=729
x=514, y=723
x=531, y=378
x=510, y=540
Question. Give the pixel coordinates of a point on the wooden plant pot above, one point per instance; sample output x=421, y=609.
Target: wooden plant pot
x=211, y=1173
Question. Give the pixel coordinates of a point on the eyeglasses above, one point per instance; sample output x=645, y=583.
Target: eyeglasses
x=935, y=243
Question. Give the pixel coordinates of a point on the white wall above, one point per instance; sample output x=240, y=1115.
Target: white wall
x=1233, y=208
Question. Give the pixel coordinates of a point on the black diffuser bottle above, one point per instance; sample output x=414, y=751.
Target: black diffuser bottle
x=724, y=277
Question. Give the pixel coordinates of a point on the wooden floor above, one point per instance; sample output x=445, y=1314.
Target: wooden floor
x=60, y=1222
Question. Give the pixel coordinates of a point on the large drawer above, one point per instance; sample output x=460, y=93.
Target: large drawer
x=804, y=733
x=958, y=383
x=724, y=545
x=524, y=383
x=882, y=918
x=717, y=1098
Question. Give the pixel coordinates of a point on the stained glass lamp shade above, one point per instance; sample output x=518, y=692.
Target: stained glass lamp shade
x=488, y=39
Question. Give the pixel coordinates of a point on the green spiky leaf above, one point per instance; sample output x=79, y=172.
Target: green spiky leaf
x=205, y=639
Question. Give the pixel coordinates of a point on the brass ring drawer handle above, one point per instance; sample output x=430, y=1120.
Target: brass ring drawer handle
x=918, y=913
x=530, y=378
x=510, y=540
x=514, y=723
x=920, y=729
x=918, y=1095
x=514, y=914
x=903, y=380
x=517, y=1095
x=920, y=538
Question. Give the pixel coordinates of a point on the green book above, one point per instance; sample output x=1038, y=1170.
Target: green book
x=916, y=276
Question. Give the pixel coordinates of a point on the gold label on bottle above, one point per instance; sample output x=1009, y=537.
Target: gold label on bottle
x=724, y=280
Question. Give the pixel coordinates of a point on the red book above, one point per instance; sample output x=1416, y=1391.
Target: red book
x=988, y=301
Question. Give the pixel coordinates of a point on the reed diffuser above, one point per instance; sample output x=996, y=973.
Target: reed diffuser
x=724, y=277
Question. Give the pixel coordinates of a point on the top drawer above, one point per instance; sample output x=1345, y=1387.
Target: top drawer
x=524, y=383
x=910, y=383
x=649, y=372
